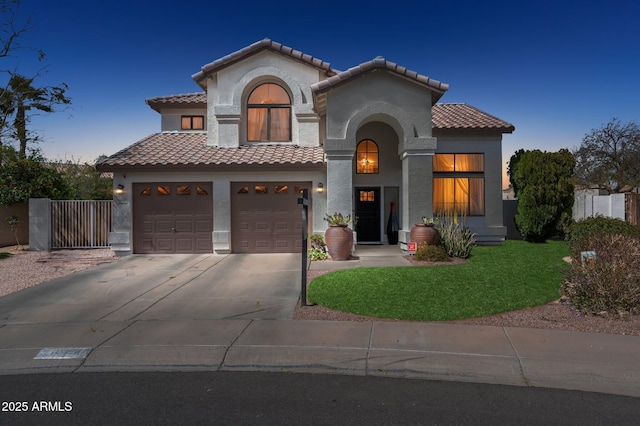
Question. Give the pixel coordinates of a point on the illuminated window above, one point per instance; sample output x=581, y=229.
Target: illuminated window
x=367, y=196
x=269, y=114
x=192, y=122
x=458, y=184
x=183, y=190
x=243, y=190
x=203, y=191
x=367, y=157
x=164, y=190
x=281, y=189
x=261, y=189
x=146, y=191
x=458, y=163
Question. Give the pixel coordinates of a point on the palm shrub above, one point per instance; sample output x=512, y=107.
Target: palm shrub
x=456, y=239
x=608, y=283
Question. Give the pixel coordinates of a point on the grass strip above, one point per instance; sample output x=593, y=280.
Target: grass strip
x=497, y=279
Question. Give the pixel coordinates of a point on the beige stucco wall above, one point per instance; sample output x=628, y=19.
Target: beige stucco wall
x=489, y=227
x=230, y=87
x=171, y=120
x=374, y=97
x=405, y=109
x=21, y=211
x=122, y=237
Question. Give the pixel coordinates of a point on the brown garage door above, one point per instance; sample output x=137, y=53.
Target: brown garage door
x=172, y=217
x=266, y=217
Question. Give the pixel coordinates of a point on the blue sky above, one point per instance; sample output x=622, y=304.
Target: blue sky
x=554, y=69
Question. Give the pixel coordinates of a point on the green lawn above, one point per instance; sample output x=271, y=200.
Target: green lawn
x=497, y=279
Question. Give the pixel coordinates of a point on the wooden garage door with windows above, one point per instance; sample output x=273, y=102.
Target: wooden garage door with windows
x=266, y=217
x=172, y=217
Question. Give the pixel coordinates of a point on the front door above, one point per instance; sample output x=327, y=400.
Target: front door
x=368, y=214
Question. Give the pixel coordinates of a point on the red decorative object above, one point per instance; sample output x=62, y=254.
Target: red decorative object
x=422, y=233
x=339, y=241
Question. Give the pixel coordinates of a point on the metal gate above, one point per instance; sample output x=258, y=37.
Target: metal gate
x=80, y=224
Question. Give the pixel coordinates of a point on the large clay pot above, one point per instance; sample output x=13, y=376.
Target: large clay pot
x=422, y=233
x=339, y=240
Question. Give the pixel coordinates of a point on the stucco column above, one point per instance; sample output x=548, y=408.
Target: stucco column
x=221, y=216
x=120, y=237
x=417, y=183
x=339, y=177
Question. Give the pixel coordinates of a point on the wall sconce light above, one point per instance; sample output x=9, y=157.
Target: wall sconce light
x=120, y=189
x=320, y=187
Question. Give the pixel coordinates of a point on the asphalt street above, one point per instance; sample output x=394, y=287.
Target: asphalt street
x=286, y=398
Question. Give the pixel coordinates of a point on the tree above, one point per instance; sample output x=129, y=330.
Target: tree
x=30, y=177
x=12, y=30
x=19, y=97
x=542, y=182
x=609, y=157
x=85, y=181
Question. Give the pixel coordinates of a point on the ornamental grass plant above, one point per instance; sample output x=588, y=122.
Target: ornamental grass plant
x=456, y=238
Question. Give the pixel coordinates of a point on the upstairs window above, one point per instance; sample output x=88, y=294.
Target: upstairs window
x=192, y=122
x=367, y=157
x=269, y=114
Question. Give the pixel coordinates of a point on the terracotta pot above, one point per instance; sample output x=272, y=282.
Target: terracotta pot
x=339, y=240
x=422, y=233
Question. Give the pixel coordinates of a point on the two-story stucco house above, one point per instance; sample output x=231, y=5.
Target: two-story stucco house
x=226, y=170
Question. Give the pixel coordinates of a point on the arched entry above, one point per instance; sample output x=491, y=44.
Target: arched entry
x=377, y=177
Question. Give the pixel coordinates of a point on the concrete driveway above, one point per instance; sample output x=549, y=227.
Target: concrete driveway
x=165, y=287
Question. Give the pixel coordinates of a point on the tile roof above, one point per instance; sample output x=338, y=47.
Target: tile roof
x=191, y=149
x=265, y=44
x=189, y=99
x=376, y=64
x=463, y=116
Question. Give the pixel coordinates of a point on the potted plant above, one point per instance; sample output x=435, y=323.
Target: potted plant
x=338, y=237
x=425, y=232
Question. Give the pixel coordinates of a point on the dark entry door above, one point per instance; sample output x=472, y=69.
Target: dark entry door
x=368, y=213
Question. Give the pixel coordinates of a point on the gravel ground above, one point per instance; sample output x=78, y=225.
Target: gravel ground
x=29, y=268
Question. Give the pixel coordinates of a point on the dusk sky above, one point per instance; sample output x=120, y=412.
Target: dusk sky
x=554, y=69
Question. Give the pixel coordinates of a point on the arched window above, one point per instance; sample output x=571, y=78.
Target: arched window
x=367, y=157
x=269, y=114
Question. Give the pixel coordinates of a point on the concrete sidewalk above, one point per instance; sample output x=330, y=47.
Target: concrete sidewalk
x=143, y=321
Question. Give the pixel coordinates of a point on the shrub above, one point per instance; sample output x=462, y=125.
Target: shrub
x=318, y=249
x=582, y=231
x=456, y=239
x=611, y=281
x=430, y=253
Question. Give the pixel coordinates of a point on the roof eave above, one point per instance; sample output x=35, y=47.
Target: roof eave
x=257, y=47
x=436, y=87
x=212, y=167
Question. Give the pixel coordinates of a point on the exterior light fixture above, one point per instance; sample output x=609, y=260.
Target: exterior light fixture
x=320, y=187
x=119, y=189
